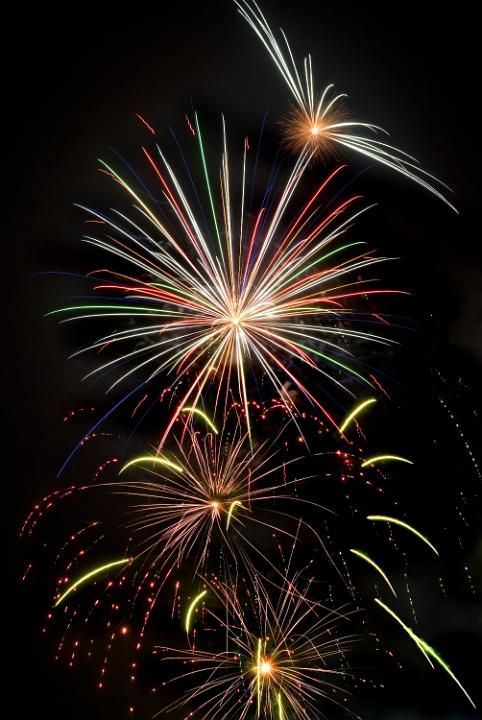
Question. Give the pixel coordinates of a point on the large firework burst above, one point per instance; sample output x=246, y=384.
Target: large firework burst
x=271, y=294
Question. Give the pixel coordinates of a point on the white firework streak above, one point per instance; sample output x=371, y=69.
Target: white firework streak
x=318, y=113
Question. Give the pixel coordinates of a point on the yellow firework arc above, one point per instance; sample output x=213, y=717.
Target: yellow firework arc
x=191, y=609
x=385, y=458
x=89, y=576
x=152, y=460
x=206, y=418
x=395, y=521
x=371, y=562
x=355, y=412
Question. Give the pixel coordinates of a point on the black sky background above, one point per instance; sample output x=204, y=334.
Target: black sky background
x=77, y=77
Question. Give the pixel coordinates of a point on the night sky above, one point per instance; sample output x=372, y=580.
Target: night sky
x=78, y=76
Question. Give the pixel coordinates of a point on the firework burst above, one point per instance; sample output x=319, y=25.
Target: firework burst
x=213, y=497
x=319, y=122
x=268, y=293
x=281, y=659
x=219, y=293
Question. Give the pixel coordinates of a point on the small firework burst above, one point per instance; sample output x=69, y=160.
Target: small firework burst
x=283, y=655
x=303, y=130
x=214, y=495
x=317, y=121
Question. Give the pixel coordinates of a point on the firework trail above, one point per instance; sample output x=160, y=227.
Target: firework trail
x=204, y=508
x=426, y=649
x=88, y=576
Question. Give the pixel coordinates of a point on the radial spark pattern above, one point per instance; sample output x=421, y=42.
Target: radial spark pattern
x=278, y=295
x=283, y=658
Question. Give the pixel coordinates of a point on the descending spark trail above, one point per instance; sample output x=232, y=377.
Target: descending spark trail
x=231, y=510
x=191, y=609
x=318, y=123
x=280, y=707
x=385, y=518
x=88, y=576
x=354, y=413
x=426, y=649
x=206, y=419
x=382, y=458
x=371, y=562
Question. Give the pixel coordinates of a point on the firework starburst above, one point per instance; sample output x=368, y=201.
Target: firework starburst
x=275, y=294
x=213, y=496
x=283, y=657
